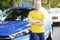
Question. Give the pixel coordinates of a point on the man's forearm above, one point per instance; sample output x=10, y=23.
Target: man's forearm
x=37, y=22
x=33, y=21
x=41, y=23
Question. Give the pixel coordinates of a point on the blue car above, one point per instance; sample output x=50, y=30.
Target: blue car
x=14, y=24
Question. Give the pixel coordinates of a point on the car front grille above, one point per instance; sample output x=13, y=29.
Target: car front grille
x=5, y=38
x=54, y=17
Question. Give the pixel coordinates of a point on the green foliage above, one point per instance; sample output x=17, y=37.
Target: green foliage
x=4, y=4
x=51, y=3
x=18, y=1
x=8, y=3
x=54, y=3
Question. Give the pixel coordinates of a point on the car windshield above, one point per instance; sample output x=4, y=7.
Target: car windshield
x=55, y=11
x=16, y=14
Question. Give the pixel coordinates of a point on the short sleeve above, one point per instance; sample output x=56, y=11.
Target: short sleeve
x=30, y=14
x=43, y=16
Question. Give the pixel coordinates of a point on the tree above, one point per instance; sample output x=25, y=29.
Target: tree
x=13, y=3
x=4, y=4
x=7, y=3
x=53, y=3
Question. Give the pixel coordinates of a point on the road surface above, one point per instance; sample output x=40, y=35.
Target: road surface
x=56, y=33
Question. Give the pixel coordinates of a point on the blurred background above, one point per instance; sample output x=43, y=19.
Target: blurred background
x=4, y=4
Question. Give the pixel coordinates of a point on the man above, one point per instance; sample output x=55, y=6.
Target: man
x=36, y=18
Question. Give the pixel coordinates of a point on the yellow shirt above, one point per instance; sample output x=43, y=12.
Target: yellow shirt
x=36, y=16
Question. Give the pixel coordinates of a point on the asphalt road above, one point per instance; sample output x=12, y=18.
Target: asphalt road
x=56, y=33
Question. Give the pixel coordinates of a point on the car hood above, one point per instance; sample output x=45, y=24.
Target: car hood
x=10, y=27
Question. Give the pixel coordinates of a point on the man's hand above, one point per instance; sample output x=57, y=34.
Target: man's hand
x=40, y=22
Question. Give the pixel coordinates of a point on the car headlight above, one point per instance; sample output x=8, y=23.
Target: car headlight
x=20, y=33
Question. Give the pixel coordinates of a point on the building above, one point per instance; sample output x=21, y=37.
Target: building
x=27, y=3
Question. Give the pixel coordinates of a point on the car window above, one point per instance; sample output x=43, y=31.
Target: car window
x=54, y=11
x=16, y=14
